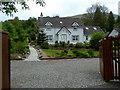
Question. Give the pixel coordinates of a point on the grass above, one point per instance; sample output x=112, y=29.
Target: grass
x=58, y=53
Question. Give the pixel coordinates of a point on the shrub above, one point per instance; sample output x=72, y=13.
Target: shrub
x=94, y=42
x=84, y=54
x=86, y=45
x=44, y=45
x=63, y=44
x=70, y=45
x=76, y=52
x=78, y=45
x=64, y=53
x=90, y=52
x=80, y=53
x=56, y=44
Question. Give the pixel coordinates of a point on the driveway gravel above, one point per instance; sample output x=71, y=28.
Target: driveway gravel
x=56, y=74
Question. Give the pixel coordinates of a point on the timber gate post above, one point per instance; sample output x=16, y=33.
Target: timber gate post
x=106, y=53
x=4, y=60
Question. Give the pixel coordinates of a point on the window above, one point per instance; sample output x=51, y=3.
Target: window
x=49, y=38
x=86, y=37
x=75, y=37
x=48, y=25
x=75, y=28
x=75, y=25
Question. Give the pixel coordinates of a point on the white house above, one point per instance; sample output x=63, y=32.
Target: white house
x=115, y=32
x=66, y=29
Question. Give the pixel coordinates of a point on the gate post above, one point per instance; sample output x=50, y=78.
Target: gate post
x=106, y=67
x=4, y=60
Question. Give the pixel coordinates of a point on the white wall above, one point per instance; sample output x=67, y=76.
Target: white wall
x=53, y=32
x=78, y=32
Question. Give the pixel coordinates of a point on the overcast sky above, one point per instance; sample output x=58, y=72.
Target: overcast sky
x=62, y=8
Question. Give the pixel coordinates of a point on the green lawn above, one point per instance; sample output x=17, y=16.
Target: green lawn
x=59, y=53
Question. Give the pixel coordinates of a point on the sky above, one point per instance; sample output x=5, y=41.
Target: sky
x=61, y=8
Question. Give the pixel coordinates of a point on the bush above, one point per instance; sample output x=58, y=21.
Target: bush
x=70, y=45
x=94, y=42
x=63, y=44
x=56, y=44
x=90, y=52
x=86, y=45
x=80, y=53
x=45, y=45
x=76, y=52
x=64, y=53
x=78, y=45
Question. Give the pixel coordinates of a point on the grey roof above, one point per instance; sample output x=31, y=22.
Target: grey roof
x=59, y=22
x=117, y=29
x=89, y=30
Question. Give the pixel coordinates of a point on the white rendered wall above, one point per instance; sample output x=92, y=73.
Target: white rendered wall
x=53, y=32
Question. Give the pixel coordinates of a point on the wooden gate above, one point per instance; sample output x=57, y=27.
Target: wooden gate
x=110, y=58
x=4, y=60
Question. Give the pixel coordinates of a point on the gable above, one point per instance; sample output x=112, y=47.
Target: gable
x=64, y=30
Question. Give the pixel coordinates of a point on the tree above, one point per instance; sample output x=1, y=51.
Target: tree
x=89, y=17
x=117, y=24
x=31, y=28
x=97, y=17
x=41, y=37
x=8, y=6
x=94, y=42
x=18, y=36
x=111, y=22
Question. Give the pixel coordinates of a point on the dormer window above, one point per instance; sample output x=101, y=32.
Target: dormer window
x=75, y=25
x=86, y=28
x=48, y=25
x=94, y=28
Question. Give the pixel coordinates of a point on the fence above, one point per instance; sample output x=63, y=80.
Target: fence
x=110, y=58
x=4, y=60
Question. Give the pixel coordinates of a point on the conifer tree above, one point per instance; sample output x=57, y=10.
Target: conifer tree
x=111, y=22
x=97, y=17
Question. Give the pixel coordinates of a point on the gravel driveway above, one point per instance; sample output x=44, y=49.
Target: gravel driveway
x=56, y=74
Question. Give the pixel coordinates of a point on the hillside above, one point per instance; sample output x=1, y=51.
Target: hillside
x=83, y=15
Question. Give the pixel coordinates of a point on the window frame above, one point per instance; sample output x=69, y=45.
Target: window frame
x=49, y=38
x=75, y=38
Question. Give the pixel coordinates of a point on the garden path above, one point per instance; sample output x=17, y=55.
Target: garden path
x=33, y=55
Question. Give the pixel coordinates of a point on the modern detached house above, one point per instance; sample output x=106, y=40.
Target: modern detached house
x=69, y=30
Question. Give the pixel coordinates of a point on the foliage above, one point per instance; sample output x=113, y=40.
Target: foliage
x=63, y=44
x=78, y=45
x=44, y=45
x=56, y=44
x=111, y=22
x=31, y=28
x=8, y=7
x=117, y=24
x=94, y=42
x=90, y=52
x=41, y=37
x=97, y=17
x=70, y=53
x=90, y=16
x=86, y=45
x=18, y=36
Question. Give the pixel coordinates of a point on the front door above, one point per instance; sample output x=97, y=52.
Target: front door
x=64, y=37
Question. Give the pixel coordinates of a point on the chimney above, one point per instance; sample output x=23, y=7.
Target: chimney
x=41, y=15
